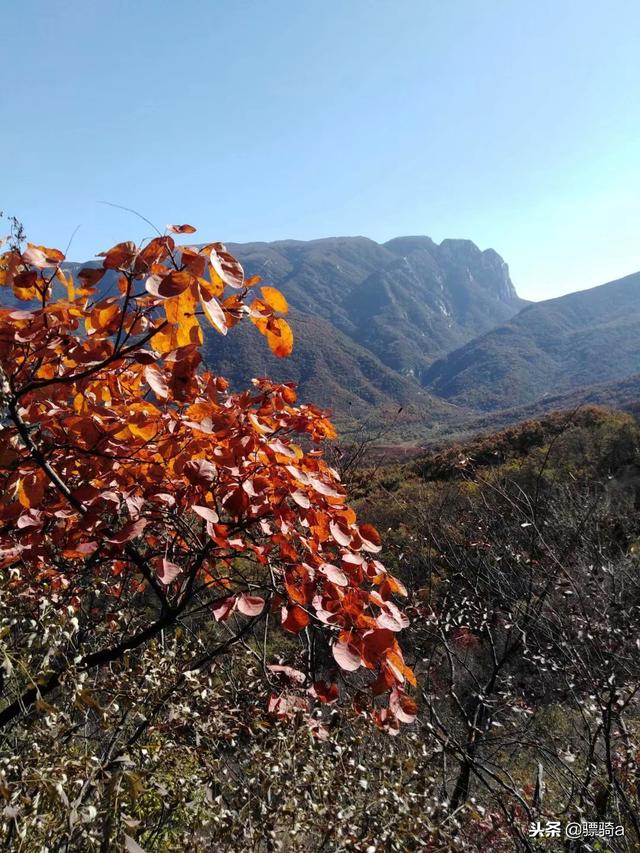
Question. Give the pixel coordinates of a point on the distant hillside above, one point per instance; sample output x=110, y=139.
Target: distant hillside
x=332, y=371
x=550, y=347
x=623, y=395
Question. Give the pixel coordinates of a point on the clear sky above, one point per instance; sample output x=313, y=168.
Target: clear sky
x=515, y=123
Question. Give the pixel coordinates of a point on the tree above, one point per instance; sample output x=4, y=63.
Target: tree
x=519, y=551
x=147, y=506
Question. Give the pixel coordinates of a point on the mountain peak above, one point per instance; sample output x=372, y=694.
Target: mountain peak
x=406, y=245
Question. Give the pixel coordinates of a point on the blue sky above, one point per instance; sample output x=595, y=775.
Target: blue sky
x=512, y=123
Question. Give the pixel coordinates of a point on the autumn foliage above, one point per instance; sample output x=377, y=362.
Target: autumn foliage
x=141, y=494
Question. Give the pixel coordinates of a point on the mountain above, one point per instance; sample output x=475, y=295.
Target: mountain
x=437, y=331
x=409, y=301
x=549, y=348
x=369, y=319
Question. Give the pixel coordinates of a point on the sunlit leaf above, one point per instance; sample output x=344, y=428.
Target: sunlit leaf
x=225, y=266
x=279, y=337
x=274, y=299
x=181, y=229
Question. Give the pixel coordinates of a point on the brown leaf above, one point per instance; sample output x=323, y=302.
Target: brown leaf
x=119, y=256
x=175, y=283
x=89, y=276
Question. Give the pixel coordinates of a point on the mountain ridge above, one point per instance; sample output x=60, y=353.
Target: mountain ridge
x=435, y=330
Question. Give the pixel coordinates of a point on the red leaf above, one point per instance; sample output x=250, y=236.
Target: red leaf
x=341, y=535
x=301, y=499
x=223, y=609
x=327, y=693
x=250, y=605
x=288, y=672
x=334, y=574
x=324, y=488
x=370, y=538
x=294, y=619
x=200, y=472
x=402, y=707
x=346, y=656
x=129, y=531
x=168, y=572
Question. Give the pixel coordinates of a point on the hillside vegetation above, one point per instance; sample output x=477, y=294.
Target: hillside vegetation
x=520, y=551
x=555, y=346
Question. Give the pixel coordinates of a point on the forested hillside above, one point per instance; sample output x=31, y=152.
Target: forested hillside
x=559, y=345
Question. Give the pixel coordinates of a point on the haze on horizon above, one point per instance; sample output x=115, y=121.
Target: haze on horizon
x=513, y=126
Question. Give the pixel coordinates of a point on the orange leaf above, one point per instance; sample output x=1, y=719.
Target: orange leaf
x=31, y=490
x=274, y=299
x=181, y=229
x=47, y=371
x=279, y=337
x=104, y=318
